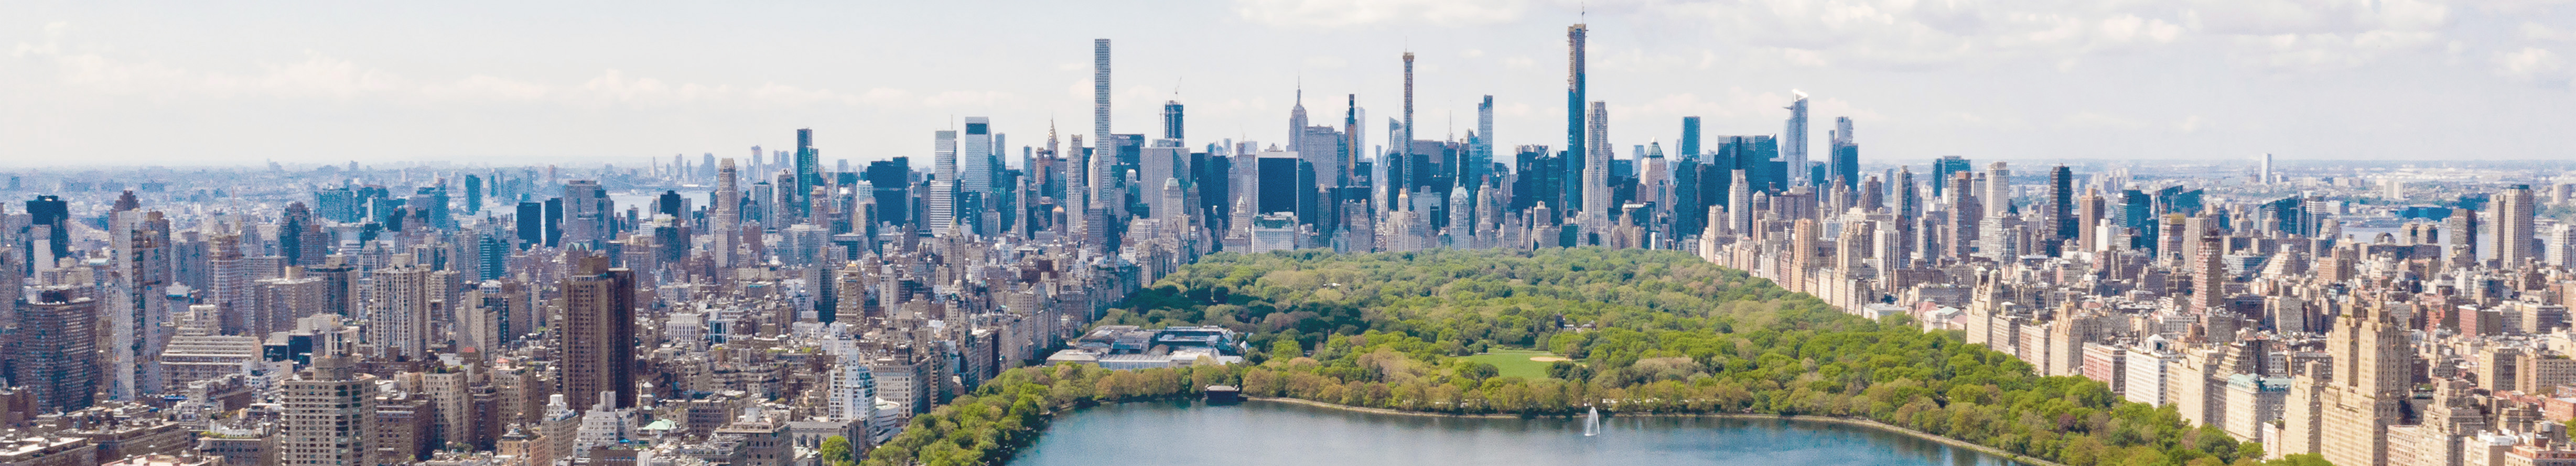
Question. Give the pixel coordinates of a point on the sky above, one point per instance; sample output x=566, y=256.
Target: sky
x=503, y=83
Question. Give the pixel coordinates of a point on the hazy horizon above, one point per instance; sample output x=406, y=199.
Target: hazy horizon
x=2221, y=82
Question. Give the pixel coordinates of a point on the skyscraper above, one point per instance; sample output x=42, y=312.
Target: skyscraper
x=1596, y=175
x=1574, y=122
x=977, y=161
x=1172, y=120
x=1688, y=145
x=398, y=310
x=1484, y=142
x=52, y=212
x=2514, y=210
x=1104, y=152
x=473, y=194
x=1845, y=165
x=1793, y=144
x=726, y=213
x=586, y=214
x=2061, y=201
x=1998, y=195
x=1406, y=142
x=809, y=171
x=57, y=350
x=942, y=197
x=1941, y=170
x=599, y=330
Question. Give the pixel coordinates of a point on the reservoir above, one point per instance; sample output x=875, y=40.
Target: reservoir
x=1265, y=433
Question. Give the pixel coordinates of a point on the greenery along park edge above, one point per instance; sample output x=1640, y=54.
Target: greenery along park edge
x=1648, y=332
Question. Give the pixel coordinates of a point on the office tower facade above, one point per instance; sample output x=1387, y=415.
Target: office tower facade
x=809, y=171
x=2061, y=203
x=54, y=214
x=1941, y=170
x=978, y=159
x=1574, y=122
x=942, y=198
x=599, y=331
x=1998, y=195
x=1172, y=120
x=2263, y=172
x=2515, y=208
x=1483, y=144
x=329, y=415
x=1793, y=141
x=587, y=214
x=1688, y=145
x=57, y=347
x=1596, y=173
x=726, y=214
x=1844, y=167
x=473, y=194
x=530, y=221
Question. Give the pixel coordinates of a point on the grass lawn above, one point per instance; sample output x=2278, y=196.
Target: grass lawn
x=1516, y=363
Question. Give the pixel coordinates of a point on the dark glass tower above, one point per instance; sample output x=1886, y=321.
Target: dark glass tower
x=809, y=170
x=1172, y=120
x=51, y=211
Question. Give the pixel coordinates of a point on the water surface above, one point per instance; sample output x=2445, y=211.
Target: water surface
x=1259, y=433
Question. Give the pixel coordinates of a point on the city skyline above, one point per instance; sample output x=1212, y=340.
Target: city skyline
x=2180, y=84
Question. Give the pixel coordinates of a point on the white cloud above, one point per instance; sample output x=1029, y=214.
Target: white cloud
x=2534, y=64
x=1326, y=62
x=2094, y=120
x=2537, y=31
x=1345, y=13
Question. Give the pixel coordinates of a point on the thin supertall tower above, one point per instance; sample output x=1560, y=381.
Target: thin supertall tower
x=1574, y=147
x=1104, y=147
x=1596, y=171
x=1793, y=146
x=1408, y=105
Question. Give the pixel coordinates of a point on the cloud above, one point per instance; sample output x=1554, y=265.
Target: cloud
x=1348, y=13
x=2088, y=119
x=1914, y=34
x=2537, y=31
x=1326, y=62
x=2326, y=52
x=320, y=77
x=2534, y=64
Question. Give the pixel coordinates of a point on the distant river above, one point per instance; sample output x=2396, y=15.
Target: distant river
x=1258, y=433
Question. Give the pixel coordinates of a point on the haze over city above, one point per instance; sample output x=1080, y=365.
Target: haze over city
x=191, y=85
x=1283, y=233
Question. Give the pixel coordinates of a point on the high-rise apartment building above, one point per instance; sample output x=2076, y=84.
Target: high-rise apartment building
x=599, y=331
x=1574, y=122
x=1596, y=173
x=329, y=415
x=57, y=350
x=398, y=310
x=2515, y=208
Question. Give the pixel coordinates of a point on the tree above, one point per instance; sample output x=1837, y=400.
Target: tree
x=836, y=451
